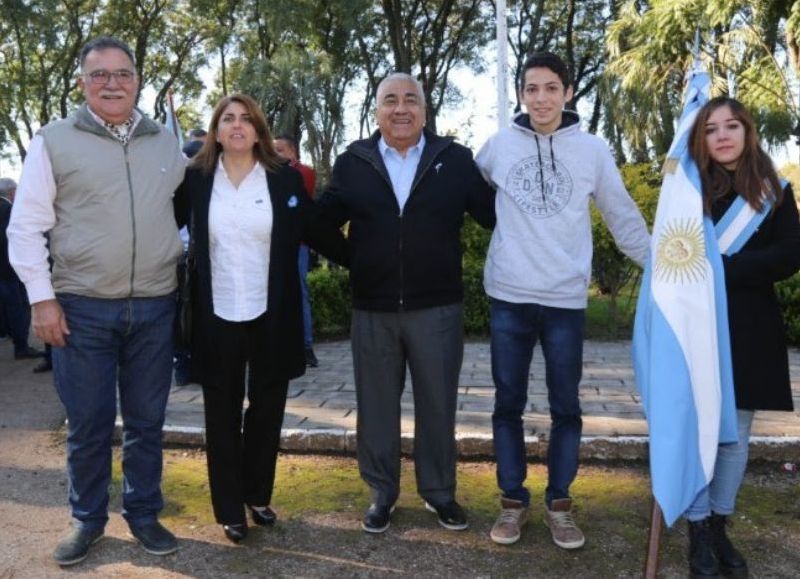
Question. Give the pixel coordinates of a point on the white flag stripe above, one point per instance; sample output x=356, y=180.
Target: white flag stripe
x=732, y=232
x=687, y=305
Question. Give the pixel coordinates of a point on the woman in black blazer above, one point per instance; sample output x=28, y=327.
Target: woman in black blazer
x=248, y=214
x=735, y=171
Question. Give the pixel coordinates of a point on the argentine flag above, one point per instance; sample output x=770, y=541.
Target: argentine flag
x=681, y=344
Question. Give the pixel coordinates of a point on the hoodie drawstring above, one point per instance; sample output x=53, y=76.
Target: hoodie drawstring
x=552, y=156
x=541, y=173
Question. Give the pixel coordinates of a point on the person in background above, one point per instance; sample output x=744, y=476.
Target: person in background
x=182, y=362
x=249, y=211
x=195, y=142
x=286, y=147
x=14, y=306
x=725, y=146
x=108, y=306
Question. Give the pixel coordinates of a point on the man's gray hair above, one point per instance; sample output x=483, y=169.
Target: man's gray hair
x=7, y=186
x=403, y=76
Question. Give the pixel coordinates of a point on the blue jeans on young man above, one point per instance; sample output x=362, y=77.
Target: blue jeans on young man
x=720, y=495
x=16, y=312
x=302, y=266
x=515, y=330
x=123, y=344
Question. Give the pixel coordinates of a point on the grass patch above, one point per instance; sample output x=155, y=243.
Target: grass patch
x=320, y=501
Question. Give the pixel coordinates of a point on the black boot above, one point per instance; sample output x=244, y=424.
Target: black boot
x=702, y=560
x=731, y=562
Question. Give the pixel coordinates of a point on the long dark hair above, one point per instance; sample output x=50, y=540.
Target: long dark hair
x=754, y=178
x=263, y=149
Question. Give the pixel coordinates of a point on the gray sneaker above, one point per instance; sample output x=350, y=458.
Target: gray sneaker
x=508, y=527
x=565, y=532
x=75, y=546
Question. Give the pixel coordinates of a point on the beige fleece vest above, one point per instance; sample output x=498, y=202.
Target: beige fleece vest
x=115, y=234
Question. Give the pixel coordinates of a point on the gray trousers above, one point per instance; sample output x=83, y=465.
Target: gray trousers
x=431, y=342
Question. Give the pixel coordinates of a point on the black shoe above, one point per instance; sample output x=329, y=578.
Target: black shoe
x=376, y=519
x=451, y=515
x=235, y=533
x=75, y=547
x=702, y=560
x=263, y=516
x=28, y=353
x=731, y=561
x=155, y=539
x=43, y=366
x=311, y=359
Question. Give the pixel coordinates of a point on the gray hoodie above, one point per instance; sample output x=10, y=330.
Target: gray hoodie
x=541, y=247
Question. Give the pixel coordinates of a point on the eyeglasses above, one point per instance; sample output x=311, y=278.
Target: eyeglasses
x=104, y=76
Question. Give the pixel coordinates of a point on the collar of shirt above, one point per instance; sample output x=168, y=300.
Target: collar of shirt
x=385, y=149
x=401, y=169
x=257, y=171
x=123, y=131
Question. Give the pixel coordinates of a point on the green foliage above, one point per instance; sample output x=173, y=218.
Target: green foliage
x=743, y=44
x=329, y=288
x=611, y=270
x=476, y=302
x=788, y=292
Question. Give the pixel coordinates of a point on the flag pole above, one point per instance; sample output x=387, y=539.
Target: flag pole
x=502, y=65
x=653, y=541
x=656, y=516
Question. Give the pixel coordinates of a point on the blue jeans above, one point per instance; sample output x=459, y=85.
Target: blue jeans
x=125, y=344
x=720, y=495
x=515, y=329
x=302, y=266
x=16, y=312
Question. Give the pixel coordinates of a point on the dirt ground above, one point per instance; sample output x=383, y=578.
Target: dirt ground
x=320, y=501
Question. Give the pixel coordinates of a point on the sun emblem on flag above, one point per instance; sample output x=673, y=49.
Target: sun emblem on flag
x=680, y=256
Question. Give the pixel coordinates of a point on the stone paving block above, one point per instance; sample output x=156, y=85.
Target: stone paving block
x=307, y=399
x=324, y=400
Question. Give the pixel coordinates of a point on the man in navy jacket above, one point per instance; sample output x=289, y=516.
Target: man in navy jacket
x=405, y=191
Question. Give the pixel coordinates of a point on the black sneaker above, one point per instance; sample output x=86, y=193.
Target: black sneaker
x=75, y=547
x=311, y=358
x=155, y=539
x=451, y=515
x=376, y=519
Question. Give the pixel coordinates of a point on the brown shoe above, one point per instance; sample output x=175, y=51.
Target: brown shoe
x=507, y=528
x=565, y=532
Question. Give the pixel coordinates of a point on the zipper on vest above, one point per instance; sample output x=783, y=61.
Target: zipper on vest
x=133, y=216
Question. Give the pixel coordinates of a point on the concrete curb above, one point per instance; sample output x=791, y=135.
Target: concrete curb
x=475, y=445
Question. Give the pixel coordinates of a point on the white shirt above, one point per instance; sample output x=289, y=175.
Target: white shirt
x=239, y=234
x=401, y=169
x=34, y=215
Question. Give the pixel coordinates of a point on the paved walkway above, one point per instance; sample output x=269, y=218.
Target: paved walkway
x=321, y=410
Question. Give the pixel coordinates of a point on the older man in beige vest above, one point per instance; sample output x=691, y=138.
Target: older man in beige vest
x=99, y=185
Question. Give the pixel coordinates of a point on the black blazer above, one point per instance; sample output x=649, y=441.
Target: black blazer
x=295, y=218
x=758, y=338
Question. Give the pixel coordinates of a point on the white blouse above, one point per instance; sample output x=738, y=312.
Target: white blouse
x=239, y=233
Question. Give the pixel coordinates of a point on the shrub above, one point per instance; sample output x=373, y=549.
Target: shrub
x=476, y=302
x=329, y=288
x=788, y=292
x=611, y=270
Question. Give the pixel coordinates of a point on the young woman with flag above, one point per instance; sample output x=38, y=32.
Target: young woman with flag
x=758, y=231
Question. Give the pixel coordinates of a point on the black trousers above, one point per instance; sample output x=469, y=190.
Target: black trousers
x=241, y=453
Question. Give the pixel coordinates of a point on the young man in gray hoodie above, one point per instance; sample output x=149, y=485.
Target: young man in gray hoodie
x=546, y=170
